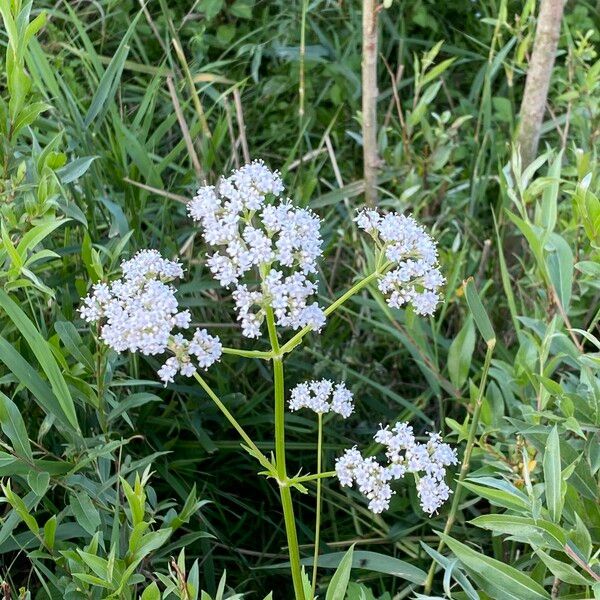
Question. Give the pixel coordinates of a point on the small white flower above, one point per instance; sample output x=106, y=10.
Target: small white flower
x=414, y=277
x=368, y=220
x=322, y=397
x=341, y=401
x=206, y=348
x=404, y=455
x=168, y=371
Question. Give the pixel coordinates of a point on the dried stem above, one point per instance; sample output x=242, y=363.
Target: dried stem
x=241, y=124
x=185, y=130
x=369, y=100
x=533, y=105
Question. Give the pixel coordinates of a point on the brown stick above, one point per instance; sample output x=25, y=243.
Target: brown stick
x=369, y=100
x=539, y=73
x=5, y=589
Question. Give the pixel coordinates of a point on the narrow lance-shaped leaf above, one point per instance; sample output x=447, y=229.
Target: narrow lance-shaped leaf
x=478, y=311
x=549, y=208
x=498, y=579
x=339, y=582
x=461, y=353
x=111, y=77
x=13, y=427
x=553, y=476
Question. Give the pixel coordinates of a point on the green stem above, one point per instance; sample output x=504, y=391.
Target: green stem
x=294, y=341
x=232, y=419
x=284, y=488
x=464, y=469
x=318, y=516
x=312, y=477
x=100, y=375
x=248, y=353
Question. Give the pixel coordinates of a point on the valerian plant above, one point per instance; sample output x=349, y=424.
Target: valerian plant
x=265, y=250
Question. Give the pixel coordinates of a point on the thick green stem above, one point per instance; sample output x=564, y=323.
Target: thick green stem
x=282, y=479
x=464, y=469
x=292, y=539
x=318, y=516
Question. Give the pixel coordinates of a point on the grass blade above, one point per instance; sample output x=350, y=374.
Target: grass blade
x=39, y=347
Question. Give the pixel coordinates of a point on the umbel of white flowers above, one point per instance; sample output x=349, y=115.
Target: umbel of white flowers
x=414, y=276
x=322, y=397
x=404, y=455
x=272, y=242
x=140, y=311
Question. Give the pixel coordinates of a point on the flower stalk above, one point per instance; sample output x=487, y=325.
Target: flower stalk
x=466, y=462
x=318, y=502
x=285, y=491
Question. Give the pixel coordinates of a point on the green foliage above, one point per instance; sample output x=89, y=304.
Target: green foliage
x=114, y=487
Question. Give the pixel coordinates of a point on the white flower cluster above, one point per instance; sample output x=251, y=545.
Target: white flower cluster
x=415, y=277
x=272, y=242
x=404, y=455
x=322, y=397
x=139, y=312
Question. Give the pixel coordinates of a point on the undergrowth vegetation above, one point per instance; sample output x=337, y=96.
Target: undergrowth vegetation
x=113, y=485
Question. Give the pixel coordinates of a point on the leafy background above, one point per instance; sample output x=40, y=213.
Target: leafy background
x=111, y=116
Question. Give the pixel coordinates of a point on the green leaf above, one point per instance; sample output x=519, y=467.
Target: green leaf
x=37, y=234
x=50, y=532
x=28, y=376
x=107, y=85
x=524, y=529
x=460, y=354
x=38, y=482
x=478, y=311
x=371, y=561
x=533, y=235
x=498, y=579
x=28, y=115
x=553, y=484
x=424, y=105
x=84, y=511
x=15, y=257
x=20, y=508
x=437, y=70
x=75, y=169
x=563, y=571
x=70, y=337
x=151, y=542
x=560, y=265
x=97, y=564
x=151, y=593
x=40, y=348
x=14, y=428
x=549, y=208
x=449, y=566
x=336, y=590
